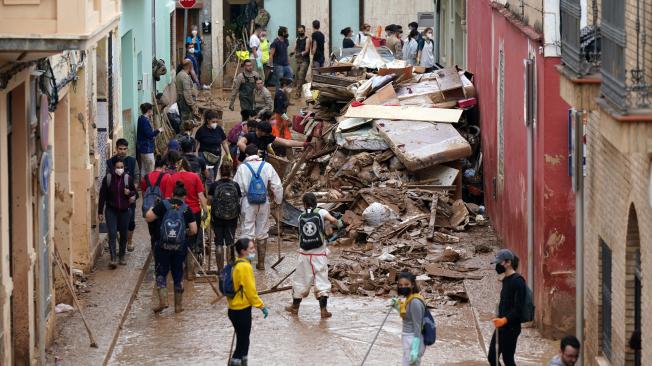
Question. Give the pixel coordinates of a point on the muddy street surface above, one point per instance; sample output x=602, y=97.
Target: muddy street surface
x=201, y=334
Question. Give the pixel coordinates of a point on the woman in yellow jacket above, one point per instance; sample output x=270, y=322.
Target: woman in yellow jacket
x=246, y=297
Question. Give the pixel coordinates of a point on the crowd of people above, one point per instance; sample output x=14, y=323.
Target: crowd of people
x=207, y=175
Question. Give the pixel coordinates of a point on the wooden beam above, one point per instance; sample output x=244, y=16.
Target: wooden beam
x=405, y=113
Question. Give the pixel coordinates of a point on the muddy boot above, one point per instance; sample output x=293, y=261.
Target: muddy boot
x=230, y=253
x=219, y=258
x=235, y=362
x=113, y=264
x=190, y=268
x=294, y=307
x=261, y=248
x=122, y=261
x=162, y=300
x=130, y=243
x=244, y=360
x=178, y=300
x=323, y=302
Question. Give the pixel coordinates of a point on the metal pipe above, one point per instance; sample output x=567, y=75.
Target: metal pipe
x=578, y=172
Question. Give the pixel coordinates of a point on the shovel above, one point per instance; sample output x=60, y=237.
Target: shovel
x=278, y=240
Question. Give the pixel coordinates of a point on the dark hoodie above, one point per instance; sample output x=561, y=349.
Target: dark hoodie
x=114, y=196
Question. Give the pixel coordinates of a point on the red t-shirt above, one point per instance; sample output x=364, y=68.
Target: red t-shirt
x=193, y=186
x=153, y=177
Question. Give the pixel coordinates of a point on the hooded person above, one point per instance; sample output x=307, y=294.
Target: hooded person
x=312, y=265
x=255, y=177
x=412, y=312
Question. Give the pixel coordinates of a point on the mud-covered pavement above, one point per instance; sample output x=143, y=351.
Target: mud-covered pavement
x=201, y=335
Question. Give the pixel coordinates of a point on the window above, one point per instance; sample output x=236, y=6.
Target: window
x=632, y=285
x=570, y=35
x=605, y=295
x=613, y=45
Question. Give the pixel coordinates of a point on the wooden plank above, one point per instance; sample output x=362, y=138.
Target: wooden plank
x=433, y=216
x=342, y=68
x=405, y=113
x=385, y=95
x=434, y=269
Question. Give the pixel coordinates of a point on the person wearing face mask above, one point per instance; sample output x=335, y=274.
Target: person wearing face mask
x=412, y=311
x=131, y=168
x=256, y=53
x=512, y=302
x=280, y=125
x=169, y=253
x=278, y=54
x=264, y=49
x=198, y=44
x=190, y=55
x=243, y=86
x=393, y=41
x=117, y=194
x=245, y=298
x=347, y=42
x=145, y=137
x=415, y=26
x=312, y=266
x=302, y=55
x=212, y=141
x=426, y=50
x=184, y=84
x=361, y=37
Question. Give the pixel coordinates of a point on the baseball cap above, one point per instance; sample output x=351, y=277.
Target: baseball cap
x=174, y=145
x=503, y=255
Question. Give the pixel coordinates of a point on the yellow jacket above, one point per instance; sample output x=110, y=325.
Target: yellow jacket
x=243, y=276
x=264, y=48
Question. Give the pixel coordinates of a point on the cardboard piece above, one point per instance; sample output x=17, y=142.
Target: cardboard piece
x=420, y=145
x=404, y=113
x=384, y=95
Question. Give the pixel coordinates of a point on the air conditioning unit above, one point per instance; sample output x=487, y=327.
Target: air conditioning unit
x=426, y=20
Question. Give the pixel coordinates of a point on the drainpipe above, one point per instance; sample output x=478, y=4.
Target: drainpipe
x=578, y=188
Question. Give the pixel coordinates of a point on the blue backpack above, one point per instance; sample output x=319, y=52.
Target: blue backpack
x=429, y=329
x=173, y=226
x=257, y=192
x=227, y=287
x=153, y=193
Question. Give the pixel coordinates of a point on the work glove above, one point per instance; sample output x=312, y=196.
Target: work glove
x=414, y=349
x=204, y=215
x=499, y=322
x=340, y=223
x=395, y=303
x=265, y=312
x=231, y=107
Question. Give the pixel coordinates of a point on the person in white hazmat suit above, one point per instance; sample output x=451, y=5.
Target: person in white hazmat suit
x=254, y=217
x=312, y=264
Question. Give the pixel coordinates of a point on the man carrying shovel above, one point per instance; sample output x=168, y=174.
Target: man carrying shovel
x=312, y=265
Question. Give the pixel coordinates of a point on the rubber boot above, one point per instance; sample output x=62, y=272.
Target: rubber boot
x=230, y=253
x=244, y=360
x=178, y=300
x=122, y=261
x=219, y=258
x=261, y=248
x=113, y=264
x=162, y=299
x=294, y=307
x=323, y=301
x=130, y=243
x=190, y=268
x=236, y=362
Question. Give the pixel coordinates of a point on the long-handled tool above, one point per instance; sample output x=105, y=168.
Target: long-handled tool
x=279, y=238
x=217, y=292
x=231, y=348
x=64, y=274
x=376, y=336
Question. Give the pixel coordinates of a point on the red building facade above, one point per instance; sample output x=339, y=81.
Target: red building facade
x=524, y=123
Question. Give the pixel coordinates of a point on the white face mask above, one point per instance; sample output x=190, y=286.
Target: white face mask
x=213, y=125
x=119, y=171
x=194, y=33
x=428, y=35
x=191, y=50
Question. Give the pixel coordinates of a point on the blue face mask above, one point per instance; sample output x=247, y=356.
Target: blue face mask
x=251, y=256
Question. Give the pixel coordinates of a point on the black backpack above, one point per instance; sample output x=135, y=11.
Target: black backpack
x=527, y=313
x=311, y=230
x=195, y=165
x=225, y=204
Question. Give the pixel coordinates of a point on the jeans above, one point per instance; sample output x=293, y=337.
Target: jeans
x=507, y=338
x=132, y=218
x=166, y=261
x=302, y=70
x=117, y=222
x=241, y=320
x=146, y=164
x=225, y=231
x=281, y=72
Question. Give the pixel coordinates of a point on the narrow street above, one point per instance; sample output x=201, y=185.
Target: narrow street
x=201, y=334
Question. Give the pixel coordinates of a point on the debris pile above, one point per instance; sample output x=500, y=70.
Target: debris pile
x=392, y=149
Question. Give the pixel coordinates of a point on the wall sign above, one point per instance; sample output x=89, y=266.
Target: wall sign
x=45, y=169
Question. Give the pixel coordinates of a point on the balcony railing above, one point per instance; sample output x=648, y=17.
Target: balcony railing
x=580, y=49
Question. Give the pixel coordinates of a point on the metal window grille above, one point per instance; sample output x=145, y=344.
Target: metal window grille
x=612, y=46
x=605, y=343
x=570, y=13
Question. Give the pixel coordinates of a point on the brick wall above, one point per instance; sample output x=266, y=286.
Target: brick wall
x=617, y=185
